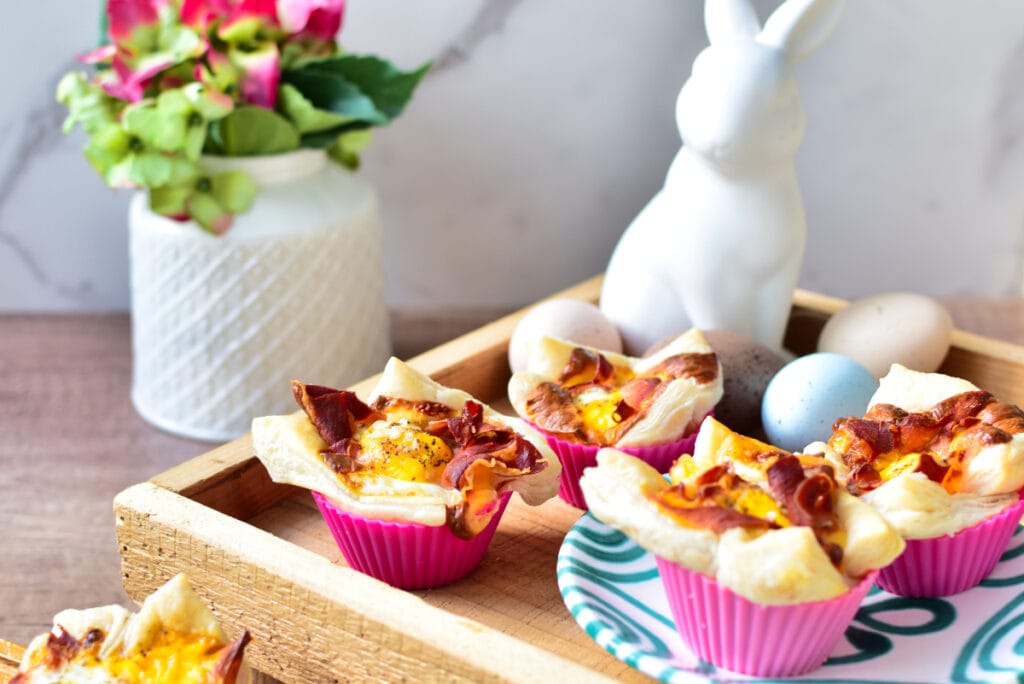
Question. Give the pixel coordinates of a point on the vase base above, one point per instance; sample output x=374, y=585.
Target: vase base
x=181, y=429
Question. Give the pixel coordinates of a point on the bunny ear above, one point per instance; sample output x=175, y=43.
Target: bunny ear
x=726, y=19
x=799, y=27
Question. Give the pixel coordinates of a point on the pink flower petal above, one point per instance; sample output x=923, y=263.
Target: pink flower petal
x=222, y=224
x=124, y=16
x=104, y=53
x=125, y=83
x=262, y=11
x=150, y=67
x=198, y=14
x=323, y=24
x=319, y=18
x=127, y=91
x=261, y=72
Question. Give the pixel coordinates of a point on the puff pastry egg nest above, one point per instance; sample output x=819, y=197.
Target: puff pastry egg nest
x=773, y=527
x=416, y=452
x=590, y=396
x=934, y=454
x=173, y=639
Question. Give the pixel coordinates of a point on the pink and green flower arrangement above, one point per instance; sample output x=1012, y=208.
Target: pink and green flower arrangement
x=180, y=79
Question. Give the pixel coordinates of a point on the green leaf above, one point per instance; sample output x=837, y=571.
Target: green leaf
x=107, y=147
x=387, y=87
x=346, y=148
x=171, y=200
x=149, y=170
x=163, y=131
x=194, y=139
x=251, y=131
x=88, y=105
x=140, y=170
x=233, y=190
x=205, y=211
x=181, y=42
x=242, y=30
x=334, y=93
x=302, y=113
x=173, y=102
x=210, y=105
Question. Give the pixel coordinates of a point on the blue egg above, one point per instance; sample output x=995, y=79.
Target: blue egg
x=808, y=394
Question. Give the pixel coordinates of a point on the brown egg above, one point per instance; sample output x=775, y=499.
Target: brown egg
x=747, y=368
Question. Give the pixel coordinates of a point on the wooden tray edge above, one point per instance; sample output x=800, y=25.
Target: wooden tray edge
x=10, y=659
x=409, y=639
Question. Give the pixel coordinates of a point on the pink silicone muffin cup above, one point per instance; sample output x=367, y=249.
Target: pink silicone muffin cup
x=729, y=631
x=575, y=457
x=407, y=555
x=947, y=565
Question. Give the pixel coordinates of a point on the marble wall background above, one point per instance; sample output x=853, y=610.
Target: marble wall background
x=545, y=126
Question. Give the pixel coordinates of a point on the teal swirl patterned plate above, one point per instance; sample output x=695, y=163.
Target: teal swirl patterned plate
x=611, y=587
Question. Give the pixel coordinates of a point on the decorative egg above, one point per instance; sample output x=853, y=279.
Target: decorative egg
x=568, y=319
x=897, y=327
x=806, y=397
x=747, y=368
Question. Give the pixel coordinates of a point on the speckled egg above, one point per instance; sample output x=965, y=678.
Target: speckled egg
x=569, y=319
x=895, y=327
x=806, y=397
x=747, y=368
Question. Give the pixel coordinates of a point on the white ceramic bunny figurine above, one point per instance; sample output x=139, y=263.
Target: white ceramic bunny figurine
x=721, y=244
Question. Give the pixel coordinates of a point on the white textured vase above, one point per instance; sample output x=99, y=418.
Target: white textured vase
x=295, y=289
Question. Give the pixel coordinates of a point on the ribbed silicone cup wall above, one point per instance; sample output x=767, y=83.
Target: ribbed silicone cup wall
x=732, y=632
x=407, y=555
x=947, y=565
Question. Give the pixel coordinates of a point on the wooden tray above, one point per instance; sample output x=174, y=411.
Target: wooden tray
x=10, y=659
x=260, y=553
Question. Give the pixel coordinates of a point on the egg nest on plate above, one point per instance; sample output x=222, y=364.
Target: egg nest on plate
x=774, y=527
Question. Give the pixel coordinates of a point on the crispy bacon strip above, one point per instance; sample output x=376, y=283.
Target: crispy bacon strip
x=809, y=500
x=230, y=660
x=334, y=412
x=61, y=649
x=705, y=504
x=640, y=392
x=550, y=408
x=586, y=367
x=701, y=367
x=1007, y=417
x=952, y=431
x=485, y=455
x=431, y=409
x=715, y=518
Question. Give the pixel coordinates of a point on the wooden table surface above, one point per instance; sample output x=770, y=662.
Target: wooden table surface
x=70, y=440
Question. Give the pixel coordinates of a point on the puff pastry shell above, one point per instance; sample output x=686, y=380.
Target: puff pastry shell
x=290, y=446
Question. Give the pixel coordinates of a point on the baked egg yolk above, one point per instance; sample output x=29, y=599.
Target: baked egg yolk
x=404, y=451
x=597, y=409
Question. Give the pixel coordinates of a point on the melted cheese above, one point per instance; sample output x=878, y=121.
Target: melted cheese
x=760, y=504
x=893, y=464
x=171, y=659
